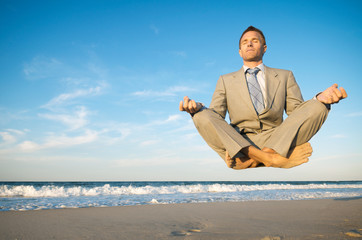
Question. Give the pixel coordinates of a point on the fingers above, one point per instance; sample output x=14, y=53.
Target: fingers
x=186, y=104
x=344, y=93
x=189, y=105
x=338, y=94
x=332, y=94
x=193, y=106
x=181, y=107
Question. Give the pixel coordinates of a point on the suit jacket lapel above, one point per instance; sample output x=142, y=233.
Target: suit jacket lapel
x=271, y=86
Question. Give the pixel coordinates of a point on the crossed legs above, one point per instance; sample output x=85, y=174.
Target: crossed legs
x=285, y=146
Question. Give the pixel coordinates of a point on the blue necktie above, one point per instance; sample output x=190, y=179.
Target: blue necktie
x=254, y=90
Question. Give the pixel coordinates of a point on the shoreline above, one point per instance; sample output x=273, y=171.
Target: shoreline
x=262, y=220
x=184, y=203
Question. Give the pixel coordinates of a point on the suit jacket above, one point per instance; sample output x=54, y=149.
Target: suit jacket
x=232, y=95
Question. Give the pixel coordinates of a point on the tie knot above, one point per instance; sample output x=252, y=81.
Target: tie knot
x=253, y=71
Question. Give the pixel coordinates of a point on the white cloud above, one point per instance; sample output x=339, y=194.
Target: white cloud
x=74, y=121
x=162, y=160
x=65, y=97
x=18, y=132
x=149, y=142
x=56, y=141
x=339, y=136
x=177, y=89
x=171, y=91
x=355, y=114
x=333, y=157
x=59, y=141
x=29, y=146
x=171, y=118
x=7, y=137
x=42, y=67
x=151, y=93
x=179, y=53
x=115, y=133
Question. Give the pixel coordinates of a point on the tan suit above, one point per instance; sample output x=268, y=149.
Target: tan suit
x=267, y=129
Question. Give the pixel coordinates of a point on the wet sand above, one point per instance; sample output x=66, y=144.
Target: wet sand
x=267, y=220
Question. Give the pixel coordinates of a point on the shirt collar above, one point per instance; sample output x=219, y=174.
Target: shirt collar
x=260, y=66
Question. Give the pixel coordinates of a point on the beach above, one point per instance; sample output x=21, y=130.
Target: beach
x=262, y=220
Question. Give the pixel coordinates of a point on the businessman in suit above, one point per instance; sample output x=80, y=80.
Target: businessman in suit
x=255, y=98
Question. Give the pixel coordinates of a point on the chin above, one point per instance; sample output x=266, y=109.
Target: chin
x=252, y=59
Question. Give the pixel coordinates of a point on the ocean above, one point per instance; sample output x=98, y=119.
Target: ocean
x=22, y=196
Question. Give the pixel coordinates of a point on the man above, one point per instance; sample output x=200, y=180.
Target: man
x=256, y=97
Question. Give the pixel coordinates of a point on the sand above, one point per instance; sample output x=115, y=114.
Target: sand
x=265, y=220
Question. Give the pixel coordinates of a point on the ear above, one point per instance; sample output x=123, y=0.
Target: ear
x=240, y=53
x=265, y=47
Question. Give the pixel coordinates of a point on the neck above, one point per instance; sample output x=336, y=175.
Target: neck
x=252, y=64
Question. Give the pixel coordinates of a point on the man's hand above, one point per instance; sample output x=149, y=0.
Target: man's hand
x=332, y=95
x=190, y=105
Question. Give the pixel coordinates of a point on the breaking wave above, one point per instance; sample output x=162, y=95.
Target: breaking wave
x=30, y=196
x=107, y=189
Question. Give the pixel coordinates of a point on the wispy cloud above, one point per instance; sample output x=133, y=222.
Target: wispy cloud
x=170, y=119
x=66, y=97
x=210, y=64
x=10, y=135
x=155, y=29
x=355, y=114
x=161, y=160
x=41, y=67
x=18, y=132
x=59, y=141
x=171, y=91
x=7, y=137
x=339, y=136
x=340, y=157
x=75, y=121
x=179, y=53
x=149, y=142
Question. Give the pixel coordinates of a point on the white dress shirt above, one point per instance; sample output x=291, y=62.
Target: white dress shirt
x=260, y=77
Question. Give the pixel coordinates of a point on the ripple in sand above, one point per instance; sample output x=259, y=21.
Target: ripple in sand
x=272, y=238
x=180, y=233
x=353, y=233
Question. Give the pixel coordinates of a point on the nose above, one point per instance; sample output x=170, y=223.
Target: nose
x=249, y=43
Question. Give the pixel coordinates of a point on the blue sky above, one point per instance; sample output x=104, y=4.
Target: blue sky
x=90, y=89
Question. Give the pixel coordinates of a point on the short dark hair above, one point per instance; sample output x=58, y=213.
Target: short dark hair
x=251, y=28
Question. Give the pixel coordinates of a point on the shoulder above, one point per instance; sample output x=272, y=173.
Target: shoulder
x=232, y=74
x=278, y=70
x=280, y=73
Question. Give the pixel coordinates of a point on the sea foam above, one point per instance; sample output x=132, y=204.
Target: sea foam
x=107, y=189
x=46, y=195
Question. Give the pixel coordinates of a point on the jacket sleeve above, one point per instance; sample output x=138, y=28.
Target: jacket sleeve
x=218, y=102
x=294, y=96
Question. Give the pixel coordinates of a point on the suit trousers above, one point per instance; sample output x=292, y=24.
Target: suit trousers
x=298, y=128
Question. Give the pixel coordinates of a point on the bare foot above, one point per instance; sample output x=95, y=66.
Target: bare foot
x=296, y=156
x=240, y=163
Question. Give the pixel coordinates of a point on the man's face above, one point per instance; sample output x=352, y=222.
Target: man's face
x=252, y=47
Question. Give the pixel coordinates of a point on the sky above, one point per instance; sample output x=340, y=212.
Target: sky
x=90, y=89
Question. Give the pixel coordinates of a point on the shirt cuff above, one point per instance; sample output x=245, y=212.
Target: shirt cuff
x=202, y=108
x=328, y=106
